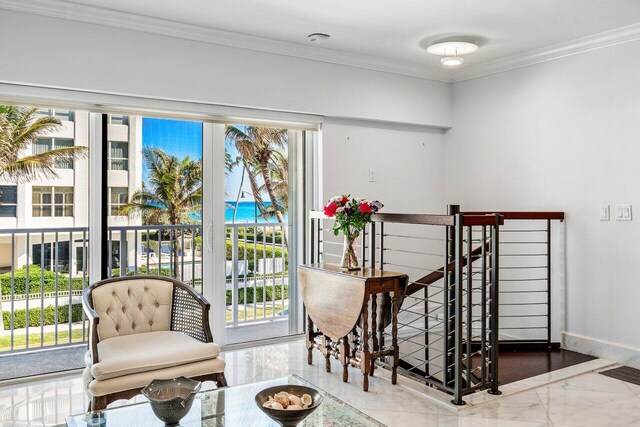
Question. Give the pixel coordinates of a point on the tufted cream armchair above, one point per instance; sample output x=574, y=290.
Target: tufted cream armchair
x=144, y=328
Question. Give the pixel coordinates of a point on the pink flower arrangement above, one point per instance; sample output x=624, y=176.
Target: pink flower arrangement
x=352, y=214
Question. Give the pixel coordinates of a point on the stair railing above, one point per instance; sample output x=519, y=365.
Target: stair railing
x=449, y=317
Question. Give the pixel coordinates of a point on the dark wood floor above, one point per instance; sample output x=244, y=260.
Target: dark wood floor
x=516, y=365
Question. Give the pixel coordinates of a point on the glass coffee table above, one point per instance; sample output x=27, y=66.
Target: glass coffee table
x=230, y=406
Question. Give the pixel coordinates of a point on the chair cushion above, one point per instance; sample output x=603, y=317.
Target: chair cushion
x=142, y=379
x=131, y=354
x=132, y=306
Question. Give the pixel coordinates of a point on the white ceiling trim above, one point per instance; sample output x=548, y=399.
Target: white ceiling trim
x=111, y=18
x=606, y=39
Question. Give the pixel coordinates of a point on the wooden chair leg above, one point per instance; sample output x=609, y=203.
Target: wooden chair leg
x=98, y=403
x=220, y=380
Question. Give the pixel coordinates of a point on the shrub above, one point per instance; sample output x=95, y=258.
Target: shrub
x=259, y=291
x=261, y=251
x=49, y=316
x=36, y=274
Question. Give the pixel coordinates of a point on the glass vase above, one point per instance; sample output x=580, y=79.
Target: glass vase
x=349, y=254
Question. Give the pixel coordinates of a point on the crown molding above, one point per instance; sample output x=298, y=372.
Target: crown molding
x=111, y=18
x=127, y=21
x=602, y=40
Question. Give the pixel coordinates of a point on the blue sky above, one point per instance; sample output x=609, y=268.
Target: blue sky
x=184, y=138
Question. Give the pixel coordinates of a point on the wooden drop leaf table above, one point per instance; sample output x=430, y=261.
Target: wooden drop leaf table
x=339, y=303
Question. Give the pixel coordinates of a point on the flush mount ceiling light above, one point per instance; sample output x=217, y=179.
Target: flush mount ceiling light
x=318, y=37
x=452, y=51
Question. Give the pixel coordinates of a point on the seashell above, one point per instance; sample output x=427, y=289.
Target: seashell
x=270, y=399
x=276, y=405
x=294, y=407
x=306, y=399
x=267, y=404
x=305, y=406
x=295, y=400
x=282, y=400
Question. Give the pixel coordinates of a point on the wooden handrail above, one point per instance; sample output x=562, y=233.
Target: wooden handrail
x=426, y=219
x=521, y=215
x=434, y=276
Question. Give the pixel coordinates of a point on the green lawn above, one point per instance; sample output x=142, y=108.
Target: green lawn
x=76, y=334
x=34, y=339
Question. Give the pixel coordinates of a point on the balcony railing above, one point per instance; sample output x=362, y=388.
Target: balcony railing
x=43, y=272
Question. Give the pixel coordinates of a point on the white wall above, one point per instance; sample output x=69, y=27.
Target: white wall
x=408, y=166
x=563, y=135
x=78, y=55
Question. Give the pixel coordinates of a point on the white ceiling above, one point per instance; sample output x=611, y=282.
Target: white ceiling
x=397, y=30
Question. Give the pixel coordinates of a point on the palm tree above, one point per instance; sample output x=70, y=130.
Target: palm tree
x=261, y=151
x=174, y=191
x=19, y=128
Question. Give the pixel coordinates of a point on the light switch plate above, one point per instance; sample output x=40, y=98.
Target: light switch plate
x=604, y=213
x=372, y=175
x=623, y=213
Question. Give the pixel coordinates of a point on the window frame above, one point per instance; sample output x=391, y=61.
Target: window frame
x=13, y=205
x=65, y=206
x=63, y=164
x=119, y=204
x=125, y=160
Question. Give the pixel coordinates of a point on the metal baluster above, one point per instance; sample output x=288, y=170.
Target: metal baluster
x=548, y=284
x=494, y=306
x=469, y=303
x=284, y=265
x=182, y=260
x=458, y=285
x=42, y=289
x=234, y=274
x=264, y=272
x=55, y=284
x=148, y=248
x=483, y=305
x=84, y=281
x=255, y=269
x=244, y=285
x=26, y=320
x=13, y=289
x=273, y=271
x=135, y=252
x=70, y=308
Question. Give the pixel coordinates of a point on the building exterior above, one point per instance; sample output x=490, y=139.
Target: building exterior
x=60, y=205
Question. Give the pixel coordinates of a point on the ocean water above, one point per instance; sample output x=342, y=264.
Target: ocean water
x=247, y=212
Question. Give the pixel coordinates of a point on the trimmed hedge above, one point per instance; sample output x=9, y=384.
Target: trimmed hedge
x=35, y=276
x=49, y=316
x=261, y=250
x=259, y=293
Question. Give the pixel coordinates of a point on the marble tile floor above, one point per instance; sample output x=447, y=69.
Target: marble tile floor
x=584, y=399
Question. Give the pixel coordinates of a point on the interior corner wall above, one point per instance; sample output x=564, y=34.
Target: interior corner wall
x=563, y=136
x=70, y=54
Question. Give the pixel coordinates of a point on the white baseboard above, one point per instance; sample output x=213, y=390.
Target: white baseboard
x=623, y=354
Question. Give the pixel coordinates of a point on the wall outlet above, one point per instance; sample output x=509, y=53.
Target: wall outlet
x=623, y=212
x=604, y=213
x=372, y=175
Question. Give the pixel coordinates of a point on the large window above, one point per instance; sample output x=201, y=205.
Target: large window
x=42, y=145
x=59, y=113
x=8, y=200
x=118, y=197
x=118, y=156
x=52, y=201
